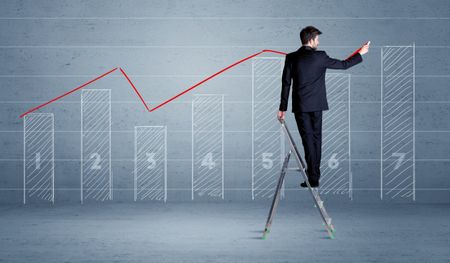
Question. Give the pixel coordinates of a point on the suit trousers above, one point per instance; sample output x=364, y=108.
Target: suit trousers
x=310, y=127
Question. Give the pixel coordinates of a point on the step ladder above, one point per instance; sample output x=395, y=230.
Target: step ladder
x=314, y=192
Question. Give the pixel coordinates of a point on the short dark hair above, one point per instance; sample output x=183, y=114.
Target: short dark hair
x=309, y=33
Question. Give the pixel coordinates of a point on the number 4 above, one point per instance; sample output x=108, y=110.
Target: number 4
x=208, y=161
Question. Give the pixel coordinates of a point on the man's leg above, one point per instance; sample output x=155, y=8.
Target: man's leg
x=305, y=127
x=316, y=118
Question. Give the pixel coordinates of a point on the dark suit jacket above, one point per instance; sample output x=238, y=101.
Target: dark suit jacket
x=306, y=67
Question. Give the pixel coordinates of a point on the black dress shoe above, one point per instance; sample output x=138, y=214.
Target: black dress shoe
x=311, y=183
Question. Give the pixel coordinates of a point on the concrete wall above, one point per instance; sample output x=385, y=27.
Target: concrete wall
x=50, y=47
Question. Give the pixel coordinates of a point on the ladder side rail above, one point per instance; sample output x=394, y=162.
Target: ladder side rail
x=276, y=197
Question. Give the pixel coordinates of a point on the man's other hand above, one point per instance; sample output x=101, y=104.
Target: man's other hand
x=365, y=48
x=281, y=115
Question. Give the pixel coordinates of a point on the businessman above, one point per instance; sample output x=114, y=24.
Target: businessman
x=305, y=69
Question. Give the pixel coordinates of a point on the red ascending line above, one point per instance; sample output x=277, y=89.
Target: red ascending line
x=215, y=74
x=169, y=100
x=67, y=93
x=137, y=92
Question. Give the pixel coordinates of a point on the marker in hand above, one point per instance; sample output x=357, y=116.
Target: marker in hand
x=362, y=50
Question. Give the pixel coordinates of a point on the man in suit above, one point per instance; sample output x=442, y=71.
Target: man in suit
x=306, y=69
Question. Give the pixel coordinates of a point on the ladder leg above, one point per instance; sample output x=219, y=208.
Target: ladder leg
x=324, y=211
x=278, y=192
x=276, y=197
x=318, y=202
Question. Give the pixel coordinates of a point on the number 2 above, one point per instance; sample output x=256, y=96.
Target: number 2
x=401, y=157
x=96, y=163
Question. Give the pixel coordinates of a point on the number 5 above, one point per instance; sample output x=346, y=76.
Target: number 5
x=267, y=162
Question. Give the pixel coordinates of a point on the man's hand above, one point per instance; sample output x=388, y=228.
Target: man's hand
x=281, y=115
x=365, y=48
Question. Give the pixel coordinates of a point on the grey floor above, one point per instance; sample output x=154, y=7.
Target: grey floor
x=223, y=232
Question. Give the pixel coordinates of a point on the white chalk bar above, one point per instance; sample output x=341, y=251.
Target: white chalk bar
x=39, y=167
x=268, y=148
x=397, y=122
x=96, y=177
x=207, y=146
x=150, y=163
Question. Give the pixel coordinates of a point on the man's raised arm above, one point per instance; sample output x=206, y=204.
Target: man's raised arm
x=356, y=58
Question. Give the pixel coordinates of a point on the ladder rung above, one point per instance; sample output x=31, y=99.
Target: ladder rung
x=295, y=169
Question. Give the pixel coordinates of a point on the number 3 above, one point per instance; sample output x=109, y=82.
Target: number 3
x=151, y=160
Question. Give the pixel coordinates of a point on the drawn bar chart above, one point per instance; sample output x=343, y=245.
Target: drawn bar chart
x=96, y=176
x=267, y=137
x=38, y=155
x=336, y=159
x=398, y=122
x=150, y=163
x=208, y=146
